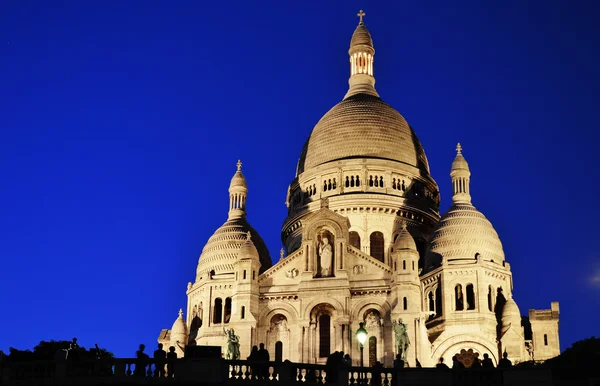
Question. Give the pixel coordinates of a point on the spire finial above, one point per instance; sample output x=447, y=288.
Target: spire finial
x=248, y=236
x=361, y=14
x=239, y=165
x=458, y=149
x=403, y=225
x=180, y=313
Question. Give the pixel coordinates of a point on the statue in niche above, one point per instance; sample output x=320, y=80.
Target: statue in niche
x=372, y=320
x=324, y=254
x=402, y=341
x=279, y=324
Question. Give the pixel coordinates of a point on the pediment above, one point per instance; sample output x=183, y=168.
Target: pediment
x=285, y=272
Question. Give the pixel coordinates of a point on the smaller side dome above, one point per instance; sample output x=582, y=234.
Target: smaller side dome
x=511, y=315
x=248, y=250
x=238, y=180
x=405, y=241
x=179, y=329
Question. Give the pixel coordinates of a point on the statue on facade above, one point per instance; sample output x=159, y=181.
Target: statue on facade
x=233, y=344
x=402, y=341
x=325, y=254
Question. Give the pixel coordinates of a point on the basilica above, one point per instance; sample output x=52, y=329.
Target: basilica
x=364, y=243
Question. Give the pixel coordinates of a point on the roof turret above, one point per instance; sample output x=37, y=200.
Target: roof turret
x=404, y=241
x=179, y=330
x=362, y=55
x=248, y=251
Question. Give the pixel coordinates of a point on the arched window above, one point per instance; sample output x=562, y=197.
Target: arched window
x=431, y=302
x=324, y=336
x=377, y=245
x=372, y=350
x=243, y=315
x=227, y=310
x=381, y=182
x=458, y=295
x=253, y=275
x=470, y=297
x=413, y=265
x=244, y=276
x=218, y=310
x=357, y=182
x=404, y=264
x=405, y=303
x=355, y=239
x=545, y=340
x=489, y=299
x=347, y=182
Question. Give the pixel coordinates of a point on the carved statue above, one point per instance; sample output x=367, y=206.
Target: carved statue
x=402, y=341
x=233, y=344
x=292, y=273
x=325, y=254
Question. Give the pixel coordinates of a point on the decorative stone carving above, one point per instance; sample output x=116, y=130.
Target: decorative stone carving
x=359, y=269
x=292, y=273
x=325, y=249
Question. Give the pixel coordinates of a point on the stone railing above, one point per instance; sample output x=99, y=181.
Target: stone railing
x=224, y=372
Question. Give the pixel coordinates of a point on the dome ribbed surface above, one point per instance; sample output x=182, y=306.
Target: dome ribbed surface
x=405, y=241
x=221, y=250
x=460, y=163
x=238, y=179
x=362, y=126
x=461, y=233
x=511, y=315
x=361, y=35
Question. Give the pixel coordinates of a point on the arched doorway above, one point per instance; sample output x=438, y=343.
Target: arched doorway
x=278, y=337
x=321, y=333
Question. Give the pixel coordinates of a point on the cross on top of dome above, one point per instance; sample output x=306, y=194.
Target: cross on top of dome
x=458, y=149
x=239, y=165
x=361, y=14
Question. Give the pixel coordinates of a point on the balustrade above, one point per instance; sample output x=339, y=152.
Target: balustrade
x=219, y=371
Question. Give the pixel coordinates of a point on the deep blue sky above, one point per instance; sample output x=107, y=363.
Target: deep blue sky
x=122, y=122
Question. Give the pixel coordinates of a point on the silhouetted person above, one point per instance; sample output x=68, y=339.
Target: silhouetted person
x=504, y=362
x=487, y=363
x=456, y=364
x=476, y=363
x=140, y=363
x=254, y=370
x=441, y=364
x=348, y=360
x=398, y=362
x=376, y=374
x=160, y=356
x=171, y=356
x=263, y=357
x=335, y=363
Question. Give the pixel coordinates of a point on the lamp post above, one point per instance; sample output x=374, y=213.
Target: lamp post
x=361, y=335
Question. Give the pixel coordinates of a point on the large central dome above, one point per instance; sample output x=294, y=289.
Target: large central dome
x=362, y=125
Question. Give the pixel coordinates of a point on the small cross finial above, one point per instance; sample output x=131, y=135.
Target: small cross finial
x=458, y=149
x=403, y=225
x=361, y=14
x=180, y=313
x=281, y=253
x=248, y=236
x=239, y=165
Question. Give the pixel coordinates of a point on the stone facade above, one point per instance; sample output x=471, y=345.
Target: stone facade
x=365, y=244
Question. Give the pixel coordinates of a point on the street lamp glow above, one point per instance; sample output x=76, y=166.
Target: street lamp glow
x=361, y=334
